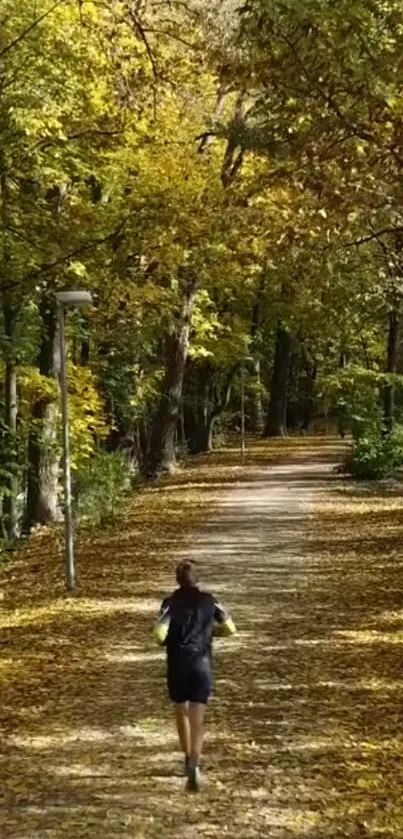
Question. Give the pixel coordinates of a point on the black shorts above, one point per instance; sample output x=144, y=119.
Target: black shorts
x=190, y=682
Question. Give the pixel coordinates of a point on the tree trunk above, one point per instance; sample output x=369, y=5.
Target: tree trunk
x=341, y=414
x=43, y=457
x=10, y=318
x=310, y=399
x=256, y=422
x=202, y=438
x=201, y=435
x=276, y=425
x=161, y=454
x=85, y=352
x=10, y=499
x=391, y=367
x=292, y=416
x=216, y=402
x=10, y=417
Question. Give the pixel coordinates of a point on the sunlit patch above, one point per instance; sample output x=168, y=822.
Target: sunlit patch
x=60, y=738
x=275, y=685
x=315, y=642
x=80, y=770
x=6, y=663
x=392, y=617
x=370, y=636
x=134, y=657
x=149, y=730
x=361, y=685
x=85, y=607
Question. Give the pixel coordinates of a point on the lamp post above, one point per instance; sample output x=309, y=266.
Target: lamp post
x=64, y=300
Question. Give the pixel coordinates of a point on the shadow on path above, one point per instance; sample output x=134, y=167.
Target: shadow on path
x=305, y=728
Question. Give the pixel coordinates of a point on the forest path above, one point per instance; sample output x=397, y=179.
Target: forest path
x=303, y=726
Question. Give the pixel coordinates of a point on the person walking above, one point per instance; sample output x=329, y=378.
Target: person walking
x=185, y=625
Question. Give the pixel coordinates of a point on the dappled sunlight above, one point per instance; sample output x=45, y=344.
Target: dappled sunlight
x=304, y=733
x=84, y=607
x=59, y=738
x=370, y=636
x=123, y=657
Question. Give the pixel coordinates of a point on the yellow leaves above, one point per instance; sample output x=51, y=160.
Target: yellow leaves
x=36, y=387
x=147, y=388
x=86, y=413
x=304, y=733
x=368, y=784
x=77, y=269
x=62, y=607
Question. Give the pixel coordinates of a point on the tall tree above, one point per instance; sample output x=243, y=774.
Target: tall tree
x=42, y=504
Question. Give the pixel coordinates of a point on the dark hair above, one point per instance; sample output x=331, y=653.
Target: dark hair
x=186, y=573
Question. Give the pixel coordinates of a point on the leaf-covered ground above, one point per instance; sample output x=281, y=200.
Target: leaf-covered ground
x=305, y=728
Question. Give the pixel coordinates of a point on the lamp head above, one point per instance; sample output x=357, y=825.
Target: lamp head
x=74, y=298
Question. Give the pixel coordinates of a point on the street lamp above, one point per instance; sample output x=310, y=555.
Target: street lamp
x=64, y=300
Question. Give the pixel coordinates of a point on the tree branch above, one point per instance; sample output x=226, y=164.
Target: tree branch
x=45, y=144
x=29, y=29
x=224, y=402
x=171, y=35
x=206, y=138
x=365, y=239
x=143, y=37
x=24, y=237
x=47, y=267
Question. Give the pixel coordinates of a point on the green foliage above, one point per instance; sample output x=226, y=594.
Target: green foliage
x=102, y=124
x=101, y=486
x=374, y=456
x=9, y=460
x=352, y=394
x=224, y=432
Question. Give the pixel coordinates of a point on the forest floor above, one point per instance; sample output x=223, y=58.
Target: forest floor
x=305, y=735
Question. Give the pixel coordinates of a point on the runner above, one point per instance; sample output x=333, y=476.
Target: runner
x=185, y=625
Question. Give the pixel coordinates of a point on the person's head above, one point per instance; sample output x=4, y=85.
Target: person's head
x=186, y=574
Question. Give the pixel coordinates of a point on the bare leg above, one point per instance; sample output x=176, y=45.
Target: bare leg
x=183, y=726
x=196, y=719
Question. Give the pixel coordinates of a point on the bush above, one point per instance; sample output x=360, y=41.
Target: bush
x=374, y=456
x=352, y=397
x=101, y=486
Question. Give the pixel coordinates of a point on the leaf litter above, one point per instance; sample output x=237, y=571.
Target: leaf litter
x=304, y=736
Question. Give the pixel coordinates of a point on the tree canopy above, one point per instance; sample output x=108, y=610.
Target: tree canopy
x=226, y=183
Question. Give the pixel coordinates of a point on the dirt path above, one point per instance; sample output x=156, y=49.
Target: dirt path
x=285, y=720
x=255, y=558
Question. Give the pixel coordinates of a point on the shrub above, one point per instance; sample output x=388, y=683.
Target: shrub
x=352, y=397
x=374, y=456
x=101, y=486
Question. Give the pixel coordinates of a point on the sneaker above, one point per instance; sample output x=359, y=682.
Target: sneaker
x=187, y=766
x=194, y=779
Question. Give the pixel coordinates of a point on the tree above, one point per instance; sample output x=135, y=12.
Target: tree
x=318, y=84
x=61, y=116
x=42, y=505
